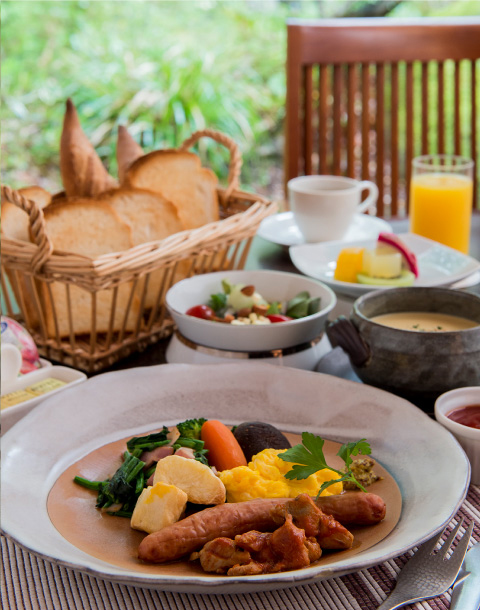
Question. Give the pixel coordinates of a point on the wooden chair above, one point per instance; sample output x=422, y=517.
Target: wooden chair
x=364, y=96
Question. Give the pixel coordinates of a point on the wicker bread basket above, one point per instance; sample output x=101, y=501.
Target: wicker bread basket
x=34, y=273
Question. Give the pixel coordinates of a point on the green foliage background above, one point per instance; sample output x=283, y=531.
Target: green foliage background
x=164, y=69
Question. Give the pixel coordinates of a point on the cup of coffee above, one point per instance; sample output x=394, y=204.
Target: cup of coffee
x=324, y=206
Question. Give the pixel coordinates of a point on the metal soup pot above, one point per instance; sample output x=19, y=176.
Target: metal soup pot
x=408, y=362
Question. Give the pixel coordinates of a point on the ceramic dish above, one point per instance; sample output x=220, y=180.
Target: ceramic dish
x=467, y=436
x=438, y=264
x=273, y=286
x=413, y=363
x=281, y=229
x=70, y=377
x=114, y=406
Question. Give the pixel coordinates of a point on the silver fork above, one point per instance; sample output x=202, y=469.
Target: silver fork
x=428, y=574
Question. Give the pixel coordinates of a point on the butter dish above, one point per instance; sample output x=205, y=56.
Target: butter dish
x=21, y=395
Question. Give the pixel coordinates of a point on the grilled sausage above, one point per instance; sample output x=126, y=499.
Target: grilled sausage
x=231, y=519
x=354, y=508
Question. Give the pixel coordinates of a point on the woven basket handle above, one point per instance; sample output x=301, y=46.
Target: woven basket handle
x=37, y=225
x=235, y=155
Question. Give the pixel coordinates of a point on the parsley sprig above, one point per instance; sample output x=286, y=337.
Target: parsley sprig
x=308, y=458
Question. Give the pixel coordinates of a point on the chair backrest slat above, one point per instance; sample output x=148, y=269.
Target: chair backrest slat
x=308, y=131
x=365, y=96
x=457, y=108
x=425, y=100
x=441, y=106
x=351, y=118
x=365, y=120
x=394, y=100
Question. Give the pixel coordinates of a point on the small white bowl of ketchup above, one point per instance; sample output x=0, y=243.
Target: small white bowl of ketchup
x=459, y=412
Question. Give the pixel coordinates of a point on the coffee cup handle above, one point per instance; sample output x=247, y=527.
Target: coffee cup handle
x=372, y=197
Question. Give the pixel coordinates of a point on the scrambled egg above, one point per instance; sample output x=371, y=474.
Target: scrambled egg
x=264, y=478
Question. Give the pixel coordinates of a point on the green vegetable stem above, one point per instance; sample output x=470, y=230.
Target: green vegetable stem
x=123, y=488
x=138, y=444
x=308, y=458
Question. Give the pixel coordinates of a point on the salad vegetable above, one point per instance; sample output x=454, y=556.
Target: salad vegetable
x=242, y=304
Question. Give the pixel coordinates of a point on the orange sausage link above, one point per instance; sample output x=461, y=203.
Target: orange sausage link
x=224, y=452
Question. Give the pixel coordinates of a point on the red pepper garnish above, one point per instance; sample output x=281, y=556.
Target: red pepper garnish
x=278, y=317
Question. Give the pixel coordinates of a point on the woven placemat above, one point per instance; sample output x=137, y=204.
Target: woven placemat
x=31, y=583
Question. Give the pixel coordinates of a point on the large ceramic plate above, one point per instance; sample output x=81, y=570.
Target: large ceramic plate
x=438, y=264
x=282, y=229
x=414, y=449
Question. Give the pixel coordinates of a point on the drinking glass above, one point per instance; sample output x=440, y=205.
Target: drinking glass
x=441, y=199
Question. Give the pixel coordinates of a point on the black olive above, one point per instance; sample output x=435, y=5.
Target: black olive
x=255, y=436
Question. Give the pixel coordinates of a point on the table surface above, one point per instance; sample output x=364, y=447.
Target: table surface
x=34, y=583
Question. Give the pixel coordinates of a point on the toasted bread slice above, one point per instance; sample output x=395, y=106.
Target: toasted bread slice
x=15, y=222
x=128, y=151
x=180, y=178
x=151, y=218
x=88, y=227
x=82, y=170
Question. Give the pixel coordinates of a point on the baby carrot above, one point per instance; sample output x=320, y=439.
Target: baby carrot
x=224, y=452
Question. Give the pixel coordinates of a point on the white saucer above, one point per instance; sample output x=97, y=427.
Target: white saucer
x=281, y=229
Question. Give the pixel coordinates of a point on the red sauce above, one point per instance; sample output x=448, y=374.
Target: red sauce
x=468, y=416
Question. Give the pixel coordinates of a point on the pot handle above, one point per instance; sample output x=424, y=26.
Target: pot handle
x=341, y=332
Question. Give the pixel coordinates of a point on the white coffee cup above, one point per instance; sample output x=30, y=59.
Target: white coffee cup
x=324, y=206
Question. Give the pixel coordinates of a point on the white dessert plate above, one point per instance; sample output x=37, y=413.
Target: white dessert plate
x=438, y=264
x=414, y=449
x=281, y=229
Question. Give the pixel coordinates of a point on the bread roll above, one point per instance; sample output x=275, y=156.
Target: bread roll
x=128, y=151
x=82, y=170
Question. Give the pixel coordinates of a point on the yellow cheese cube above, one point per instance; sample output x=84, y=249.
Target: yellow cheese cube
x=157, y=507
x=349, y=263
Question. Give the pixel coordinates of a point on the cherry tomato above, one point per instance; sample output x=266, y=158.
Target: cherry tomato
x=278, y=317
x=201, y=311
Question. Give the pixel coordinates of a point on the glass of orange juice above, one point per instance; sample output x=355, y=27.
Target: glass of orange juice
x=441, y=199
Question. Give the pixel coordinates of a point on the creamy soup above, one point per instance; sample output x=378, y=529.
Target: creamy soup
x=425, y=321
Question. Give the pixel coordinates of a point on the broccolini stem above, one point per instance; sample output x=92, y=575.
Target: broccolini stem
x=95, y=485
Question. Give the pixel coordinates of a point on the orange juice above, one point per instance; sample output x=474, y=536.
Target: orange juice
x=441, y=208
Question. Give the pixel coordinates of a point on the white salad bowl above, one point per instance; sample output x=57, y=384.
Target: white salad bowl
x=273, y=286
